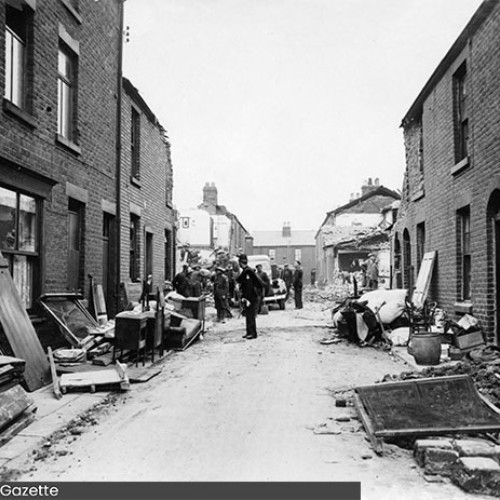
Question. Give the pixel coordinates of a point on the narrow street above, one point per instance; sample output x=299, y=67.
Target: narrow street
x=229, y=409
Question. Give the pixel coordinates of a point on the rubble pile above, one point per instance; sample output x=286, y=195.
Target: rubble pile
x=330, y=293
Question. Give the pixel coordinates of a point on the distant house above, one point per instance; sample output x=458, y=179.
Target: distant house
x=147, y=213
x=354, y=230
x=451, y=191
x=210, y=227
x=286, y=247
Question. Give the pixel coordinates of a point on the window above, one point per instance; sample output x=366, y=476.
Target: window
x=19, y=241
x=134, y=248
x=407, y=267
x=298, y=254
x=135, y=138
x=461, y=116
x=272, y=254
x=420, y=243
x=464, y=254
x=16, y=42
x=66, y=93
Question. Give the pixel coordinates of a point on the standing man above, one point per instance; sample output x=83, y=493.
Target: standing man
x=267, y=285
x=372, y=272
x=221, y=293
x=288, y=279
x=250, y=289
x=297, y=285
x=196, y=281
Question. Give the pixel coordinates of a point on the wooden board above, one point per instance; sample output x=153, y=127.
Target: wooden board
x=111, y=376
x=55, y=378
x=13, y=403
x=99, y=303
x=19, y=332
x=424, y=279
x=18, y=425
x=426, y=407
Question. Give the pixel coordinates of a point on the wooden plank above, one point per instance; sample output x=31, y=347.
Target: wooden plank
x=13, y=403
x=424, y=279
x=101, y=313
x=16, y=427
x=55, y=378
x=20, y=333
x=93, y=379
x=363, y=415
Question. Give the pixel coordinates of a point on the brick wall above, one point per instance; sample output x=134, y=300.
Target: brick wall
x=150, y=193
x=30, y=145
x=448, y=187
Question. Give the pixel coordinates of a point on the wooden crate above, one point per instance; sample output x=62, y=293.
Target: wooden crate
x=469, y=340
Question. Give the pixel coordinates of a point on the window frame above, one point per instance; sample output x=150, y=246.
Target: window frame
x=33, y=257
x=464, y=254
x=135, y=144
x=461, y=113
x=67, y=107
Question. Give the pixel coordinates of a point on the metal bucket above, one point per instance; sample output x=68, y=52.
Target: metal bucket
x=425, y=348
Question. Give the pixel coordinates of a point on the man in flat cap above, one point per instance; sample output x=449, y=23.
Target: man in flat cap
x=251, y=287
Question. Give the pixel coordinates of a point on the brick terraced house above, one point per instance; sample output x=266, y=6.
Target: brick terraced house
x=74, y=146
x=59, y=73
x=451, y=192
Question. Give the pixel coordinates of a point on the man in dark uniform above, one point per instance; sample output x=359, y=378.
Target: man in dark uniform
x=251, y=288
x=288, y=279
x=297, y=285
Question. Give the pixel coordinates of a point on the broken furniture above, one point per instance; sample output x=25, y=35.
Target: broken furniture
x=155, y=338
x=111, y=377
x=73, y=319
x=17, y=335
x=189, y=307
x=182, y=331
x=424, y=407
x=131, y=330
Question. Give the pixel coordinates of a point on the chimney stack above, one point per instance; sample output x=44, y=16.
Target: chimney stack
x=287, y=230
x=369, y=186
x=210, y=194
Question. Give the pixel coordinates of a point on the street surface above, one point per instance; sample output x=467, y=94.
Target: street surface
x=229, y=409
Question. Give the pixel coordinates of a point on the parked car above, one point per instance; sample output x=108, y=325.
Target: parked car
x=277, y=292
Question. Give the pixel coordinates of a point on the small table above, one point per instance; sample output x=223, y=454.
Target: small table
x=131, y=330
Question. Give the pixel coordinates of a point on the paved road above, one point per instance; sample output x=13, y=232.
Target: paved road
x=230, y=409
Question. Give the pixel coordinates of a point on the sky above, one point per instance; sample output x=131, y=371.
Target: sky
x=288, y=106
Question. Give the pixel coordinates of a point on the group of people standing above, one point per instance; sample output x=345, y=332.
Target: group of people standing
x=253, y=286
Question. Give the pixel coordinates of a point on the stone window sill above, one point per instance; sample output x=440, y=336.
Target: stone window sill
x=418, y=195
x=72, y=10
x=463, y=307
x=19, y=113
x=461, y=165
x=68, y=144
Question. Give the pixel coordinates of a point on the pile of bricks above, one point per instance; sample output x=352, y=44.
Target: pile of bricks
x=472, y=463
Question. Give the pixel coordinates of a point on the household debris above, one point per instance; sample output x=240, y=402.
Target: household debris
x=424, y=407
